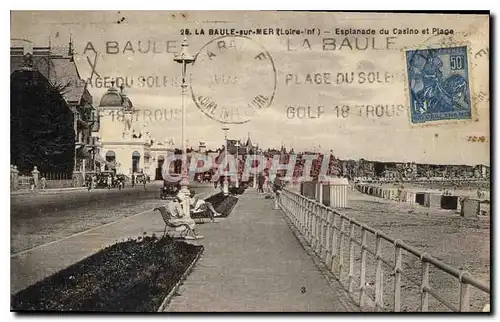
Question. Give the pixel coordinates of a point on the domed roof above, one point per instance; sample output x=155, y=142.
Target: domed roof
x=113, y=98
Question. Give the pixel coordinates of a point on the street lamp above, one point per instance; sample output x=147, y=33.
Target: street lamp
x=257, y=152
x=225, y=128
x=184, y=58
x=237, y=165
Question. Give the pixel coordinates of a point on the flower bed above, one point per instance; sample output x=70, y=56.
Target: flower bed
x=131, y=276
x=223, y=204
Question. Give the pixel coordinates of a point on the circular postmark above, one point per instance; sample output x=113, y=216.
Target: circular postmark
x=232, y=78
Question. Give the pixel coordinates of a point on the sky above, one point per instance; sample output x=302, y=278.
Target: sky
x=304, y=97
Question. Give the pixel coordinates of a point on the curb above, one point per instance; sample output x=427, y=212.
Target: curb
x=168, y=298
x=47, y=191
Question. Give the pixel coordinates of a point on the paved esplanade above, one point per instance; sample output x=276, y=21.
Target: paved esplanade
x=70, y=241
x=253, y=262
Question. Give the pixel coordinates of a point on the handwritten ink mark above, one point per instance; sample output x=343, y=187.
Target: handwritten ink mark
x=303, y=289
x=93, y=67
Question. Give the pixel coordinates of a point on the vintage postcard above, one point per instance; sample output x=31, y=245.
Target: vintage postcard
x=250, y=161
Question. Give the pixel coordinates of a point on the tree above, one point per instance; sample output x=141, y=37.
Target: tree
x=42, y=129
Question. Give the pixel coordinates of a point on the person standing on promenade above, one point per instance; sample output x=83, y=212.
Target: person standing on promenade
x=277, y=188
x=43, y=183
x=260, y=181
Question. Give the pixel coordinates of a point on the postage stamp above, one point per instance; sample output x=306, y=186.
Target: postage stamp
x=438, y=84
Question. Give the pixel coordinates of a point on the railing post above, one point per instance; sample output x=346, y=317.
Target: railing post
x=397, y=275
x=324, y=226
x=295, y=210
x=341, y=245
x=313, y=226
x=306, y=219
x=334, y=242
x=464, y=293
x=288, y=206
x=379, y=275
x=318, y=231
x=319, y=242
x=424, y=297
x=328, y=236
x=324, y=248
x=362, y=277
x=351, y=258
x=303, y=216
x=309, y=222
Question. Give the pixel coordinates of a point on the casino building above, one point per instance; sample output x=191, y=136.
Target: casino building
x=123, y=147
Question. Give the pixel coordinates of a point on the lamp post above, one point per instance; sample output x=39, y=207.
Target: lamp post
x=237, y=165
x=184, y=58
x=256, y=172
x=225, y=128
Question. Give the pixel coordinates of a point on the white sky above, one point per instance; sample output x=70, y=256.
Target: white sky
x=386, y=138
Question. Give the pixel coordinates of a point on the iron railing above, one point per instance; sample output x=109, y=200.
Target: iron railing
x=56, y=176
x=333, y=236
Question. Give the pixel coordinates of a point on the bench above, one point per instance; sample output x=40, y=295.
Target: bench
x=167, y=216
x=201, y=214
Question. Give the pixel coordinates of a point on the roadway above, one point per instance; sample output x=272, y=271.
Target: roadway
x=39, y=218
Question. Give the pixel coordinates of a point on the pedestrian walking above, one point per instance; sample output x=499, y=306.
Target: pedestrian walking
x=109, y=182
x=43, y=183
x=16, y=177
x=12, y=177
x=261, y=180
x=32, y=183
x=35, y=174
x=277, y=188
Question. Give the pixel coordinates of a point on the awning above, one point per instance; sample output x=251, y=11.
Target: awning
x=100, y=159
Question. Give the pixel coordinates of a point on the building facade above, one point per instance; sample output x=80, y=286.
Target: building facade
x=123, y=147
x=60, y=73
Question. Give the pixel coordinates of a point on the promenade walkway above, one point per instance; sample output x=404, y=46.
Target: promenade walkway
x=253, y=262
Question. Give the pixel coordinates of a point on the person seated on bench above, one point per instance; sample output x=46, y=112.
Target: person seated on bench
x=179, y=216
x=198, y=205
